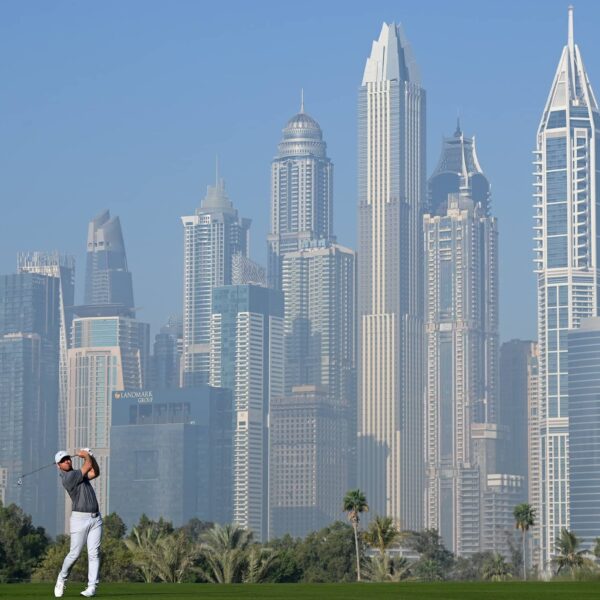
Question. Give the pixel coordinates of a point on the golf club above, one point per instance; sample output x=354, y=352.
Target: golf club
x=20, y=480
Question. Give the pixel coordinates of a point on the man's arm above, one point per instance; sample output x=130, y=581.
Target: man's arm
x=90, y=468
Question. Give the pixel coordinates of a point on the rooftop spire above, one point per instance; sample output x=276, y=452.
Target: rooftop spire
x=302, y=100
x=458, y=131
x=216, y=169
x=570, y=38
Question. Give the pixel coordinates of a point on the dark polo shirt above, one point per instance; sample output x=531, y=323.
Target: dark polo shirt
x=80, y=490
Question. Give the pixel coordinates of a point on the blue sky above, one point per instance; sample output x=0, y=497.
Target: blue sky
x=124, y=105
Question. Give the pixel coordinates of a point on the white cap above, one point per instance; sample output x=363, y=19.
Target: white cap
x=60, y=455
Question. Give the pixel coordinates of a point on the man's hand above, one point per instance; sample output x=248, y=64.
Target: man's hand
x=83, y=453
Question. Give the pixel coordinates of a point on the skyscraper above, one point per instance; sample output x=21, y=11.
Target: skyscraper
x=63, y=267
x=584, y=430
x=108, y=353
x=212, y=236
x=461, y=312
x=247, y=358
x=307, y=461
x=516, y=357
x=29, y=352
x=566, y=246
x=301, y=192
x=107, y=279
x=391, y=190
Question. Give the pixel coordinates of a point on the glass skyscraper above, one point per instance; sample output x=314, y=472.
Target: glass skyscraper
x=107, y=279
x=391, y=195
x=29, y=352
x=212, y=237
x=584, y=430
x=247, y=359
x=566, y=245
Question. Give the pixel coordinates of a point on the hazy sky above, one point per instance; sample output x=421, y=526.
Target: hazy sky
x=124, y=105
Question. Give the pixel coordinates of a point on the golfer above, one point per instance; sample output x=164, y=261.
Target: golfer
x=86, y=522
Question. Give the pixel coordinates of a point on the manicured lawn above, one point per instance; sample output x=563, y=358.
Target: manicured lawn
x=401, y=591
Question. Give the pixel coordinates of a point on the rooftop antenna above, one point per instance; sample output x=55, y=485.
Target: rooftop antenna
x=458, y=131
x=302, y=100
x=570, y=39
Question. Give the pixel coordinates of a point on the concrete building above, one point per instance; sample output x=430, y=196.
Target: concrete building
x=584, y=430
x=108, y=353
x=391, y=191
x=301, y=192
x=247, y=358
x=307, y=461
x=461, y=316
x=566, y=169
x=213, y=235
x=171, y=455
x=29, y=361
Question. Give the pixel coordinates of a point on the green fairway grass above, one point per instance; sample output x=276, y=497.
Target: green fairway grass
x=512, y=590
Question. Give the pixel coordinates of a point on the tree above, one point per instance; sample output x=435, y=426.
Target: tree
x=262, y=563
x=173, y=557
x=385, y=568
x=328, y=555
x=22, y=545
x=224, y=549
x=430, y=548
x=495, y=568
x=524, y=515
x=596, y=550
x=113, y=526
x=355, y=503
x=567, y=554
x=142, y=545
x=381, y=533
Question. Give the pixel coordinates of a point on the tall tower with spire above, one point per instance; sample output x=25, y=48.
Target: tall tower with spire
x=461, y=320
x=212, y=237
x=391, y=194
x=301, y=192
x=566, y=167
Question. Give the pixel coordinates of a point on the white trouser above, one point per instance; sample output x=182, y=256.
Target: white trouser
x=84, y=528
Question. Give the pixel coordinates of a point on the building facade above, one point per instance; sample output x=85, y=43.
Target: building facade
x=247, y=358
x=461, y=317
x=171, y=455
x=301, y=192
x=212, y=237
x=29, y=360
x=107, y=278
x=391, y=190
x=307, y=461
x=584, y=431
x=62, y=267
x=108, y=353
x=566, y=246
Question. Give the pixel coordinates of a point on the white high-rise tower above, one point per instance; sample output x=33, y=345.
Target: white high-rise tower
x=566, y=245
x=391, y=189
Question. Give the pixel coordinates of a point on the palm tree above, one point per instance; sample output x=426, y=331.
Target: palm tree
x=142, y=545
x=355, y=503
x=381, y=534
x=261, y=564
x=496, y=568
x=567, y=554
x=225, y=548
x=524, y=519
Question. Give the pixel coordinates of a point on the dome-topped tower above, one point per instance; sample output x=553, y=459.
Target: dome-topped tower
x=302, y=191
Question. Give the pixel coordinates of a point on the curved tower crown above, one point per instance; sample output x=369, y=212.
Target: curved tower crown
x=458, y=169
x=302, y=135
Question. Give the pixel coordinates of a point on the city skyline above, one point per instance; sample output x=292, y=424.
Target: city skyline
x=177, y=180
